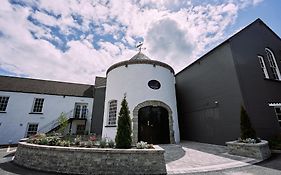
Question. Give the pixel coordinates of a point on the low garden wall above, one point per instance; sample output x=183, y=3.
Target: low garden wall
x=74, y=160
x=259, y=151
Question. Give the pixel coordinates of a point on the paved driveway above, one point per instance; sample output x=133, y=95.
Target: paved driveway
x=200, y=158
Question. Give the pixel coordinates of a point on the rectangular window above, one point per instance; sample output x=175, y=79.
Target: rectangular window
x=81, y=110
x=3, y=103
x=38, y=105
x=31, y=129
x=80, y=130
x=112, y=112
x=264, y=70
x=278, y=113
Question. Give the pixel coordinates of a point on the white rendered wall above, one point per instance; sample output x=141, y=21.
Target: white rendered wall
x=133, y=80
x=14, y=122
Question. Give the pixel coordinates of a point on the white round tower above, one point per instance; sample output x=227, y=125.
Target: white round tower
x=149, y=86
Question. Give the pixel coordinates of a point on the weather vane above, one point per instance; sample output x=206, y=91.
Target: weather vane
x=139, y=46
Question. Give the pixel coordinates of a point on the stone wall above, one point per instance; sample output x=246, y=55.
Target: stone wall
x=259, y=151
x=74, y=160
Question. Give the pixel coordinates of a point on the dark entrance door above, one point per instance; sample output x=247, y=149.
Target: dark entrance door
x=153, y=125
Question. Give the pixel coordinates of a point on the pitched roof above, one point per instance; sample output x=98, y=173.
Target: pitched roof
x=27, y=85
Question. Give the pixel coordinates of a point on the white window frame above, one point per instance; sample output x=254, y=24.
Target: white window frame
x=83, y=113
x=278, y=114
x=273, y=64
x=276, y=105
x=34, y=105
x=27, y=129
x=262, y=64
x=2, y=103
x=112, y=113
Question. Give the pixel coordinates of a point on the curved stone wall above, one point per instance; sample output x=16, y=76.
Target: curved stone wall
x=74, y=160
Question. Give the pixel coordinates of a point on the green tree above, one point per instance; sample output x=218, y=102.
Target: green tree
x=63, y=122
x=123, y=137
x=245, y=126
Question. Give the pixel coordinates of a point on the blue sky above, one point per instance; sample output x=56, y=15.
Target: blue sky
x=75, y=41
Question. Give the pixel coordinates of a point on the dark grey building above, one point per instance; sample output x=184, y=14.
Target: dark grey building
x=98, y=107
x=243, y=70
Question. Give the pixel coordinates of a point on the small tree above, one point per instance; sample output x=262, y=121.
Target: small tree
x=245, y=126
x=123, y=137
x=63, y=122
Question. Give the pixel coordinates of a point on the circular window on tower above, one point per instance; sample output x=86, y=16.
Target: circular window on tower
x=154, y=84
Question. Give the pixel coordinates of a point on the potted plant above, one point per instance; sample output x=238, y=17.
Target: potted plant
x=248, y=145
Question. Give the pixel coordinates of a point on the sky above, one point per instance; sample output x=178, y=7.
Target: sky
x=77, y=40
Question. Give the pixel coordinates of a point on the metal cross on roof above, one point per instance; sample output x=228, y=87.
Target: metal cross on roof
x=139, y=46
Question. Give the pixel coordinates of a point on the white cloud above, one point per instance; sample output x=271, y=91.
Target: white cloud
x=175, y=32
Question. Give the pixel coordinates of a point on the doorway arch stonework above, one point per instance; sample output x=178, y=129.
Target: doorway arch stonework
x=152, y=103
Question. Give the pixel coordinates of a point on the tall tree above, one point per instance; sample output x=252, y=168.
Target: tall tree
x=123, y=137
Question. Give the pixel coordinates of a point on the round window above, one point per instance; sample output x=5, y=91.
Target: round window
x=154, y=84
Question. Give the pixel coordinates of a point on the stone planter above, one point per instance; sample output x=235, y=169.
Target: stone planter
x=74, y=160
x=259, y=151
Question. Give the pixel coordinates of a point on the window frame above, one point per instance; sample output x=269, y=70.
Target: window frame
x=82, y=114
x=5, y=105
x=273, y=64
x=278, y=114
x=27, y=129
x=112, y=120
x=263, y=67
x=34, y=105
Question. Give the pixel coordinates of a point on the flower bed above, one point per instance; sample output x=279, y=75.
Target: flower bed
x=76, y=160
x=259, y=150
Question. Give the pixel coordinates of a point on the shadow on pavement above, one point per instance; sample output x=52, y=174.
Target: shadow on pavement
x=10, y=154
x=172, y=152
x=274, y=162
x=12, y=168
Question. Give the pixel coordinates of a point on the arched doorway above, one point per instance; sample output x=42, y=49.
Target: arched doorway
x=153, y=103
x=153, y=124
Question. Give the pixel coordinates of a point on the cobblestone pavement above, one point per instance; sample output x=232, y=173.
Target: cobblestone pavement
x=185, y=158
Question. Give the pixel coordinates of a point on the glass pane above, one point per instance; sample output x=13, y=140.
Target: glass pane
x=84, y=111
x=77, y=111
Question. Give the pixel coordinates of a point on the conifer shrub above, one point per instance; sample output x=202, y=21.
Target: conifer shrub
x=246, y=130
x=123, y=137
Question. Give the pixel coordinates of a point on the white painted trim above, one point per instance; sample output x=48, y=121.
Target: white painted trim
x=263, y=66
x=274, y=60
x=107, y=122
x=274, y=104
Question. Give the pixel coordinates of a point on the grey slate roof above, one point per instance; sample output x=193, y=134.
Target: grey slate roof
x=140, y=58
x=27, y=85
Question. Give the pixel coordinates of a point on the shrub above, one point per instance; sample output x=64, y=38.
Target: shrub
x=246, y=129
x=77, y=140
x=275, y=142
x=43, y=141
x=63, y=122
x=53, y=141
x=123, y=137
x=141, y=145
x=64, y=143
x=102, y=143
x=144, y=145
x=111, y=144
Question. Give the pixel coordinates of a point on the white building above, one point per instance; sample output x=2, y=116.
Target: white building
x=28, y=106
x=149, y=86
